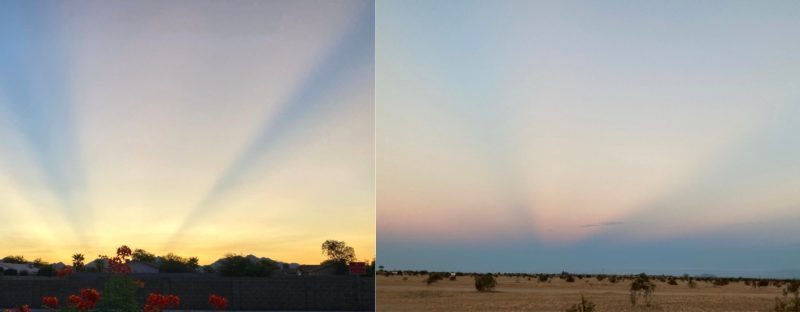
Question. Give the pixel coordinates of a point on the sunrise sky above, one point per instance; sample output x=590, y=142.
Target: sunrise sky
x=200, y=128
x=613, y=136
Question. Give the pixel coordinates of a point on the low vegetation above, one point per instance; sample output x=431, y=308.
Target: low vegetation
x=583, y=306
x=642, y=287
x=485, y=282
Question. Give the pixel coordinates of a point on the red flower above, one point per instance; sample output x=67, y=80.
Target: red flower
x=50, y=302
x=157, y=302
x=90, y=294
x=74, y=300
x=218, y=302
x=87, y=299
x=25, y=308
x=66, y=271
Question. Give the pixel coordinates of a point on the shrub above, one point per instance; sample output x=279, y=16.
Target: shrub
x=172, y=263
x=236, y=265
x=642, y=286
x=790, y=301
x=15, y=259
x=600, y=278
x=570, y=279
x=119, y=294
x=720, y=282
x=583, y=306
x=434, y=277
x=485, y=282
x=672, y=281
x=543, y=278
x=613, y=279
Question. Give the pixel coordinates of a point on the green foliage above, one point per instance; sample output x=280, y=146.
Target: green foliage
x=119, y=295
x=642, y=286
x=237, y=265
x=172, y=263
x=142, y=255
x=485, y=282
x=583, y=306
x=15, y=259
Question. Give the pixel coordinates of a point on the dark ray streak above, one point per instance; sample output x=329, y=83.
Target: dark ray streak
x=354, y=49
x=34, y=78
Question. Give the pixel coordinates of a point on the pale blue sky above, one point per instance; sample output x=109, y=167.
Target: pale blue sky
x=584, y=135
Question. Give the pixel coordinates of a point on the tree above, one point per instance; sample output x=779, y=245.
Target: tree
x=338, y=251
x=172, y=263
x=339, y=255
x=142, y=255
x=77, y=261
x=15, y=259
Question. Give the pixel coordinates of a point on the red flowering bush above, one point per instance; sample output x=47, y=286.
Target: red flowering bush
x=66, y=271
x=86, y=301
x=218, y=302
x=158, y=302
x=23, y=308
x=50, y=302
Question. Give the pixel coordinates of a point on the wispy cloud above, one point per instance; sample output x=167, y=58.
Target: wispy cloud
x=609, y=223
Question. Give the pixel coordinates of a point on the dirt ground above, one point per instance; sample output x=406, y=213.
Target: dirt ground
x=512, y=294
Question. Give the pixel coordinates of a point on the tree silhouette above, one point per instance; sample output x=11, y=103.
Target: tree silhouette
x=77, y=261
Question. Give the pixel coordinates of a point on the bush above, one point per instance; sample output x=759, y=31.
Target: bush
x=583, y=306
x=543, y=278
x=172, y=263
x=15, y=259
x=236, y=265
x=642, y=286
x=790, y=301
x=720, y=282
x=434, y=277
x=10, y=272
x=672, y=281
x=485, y=282
x=119, y=295
x=570, y=279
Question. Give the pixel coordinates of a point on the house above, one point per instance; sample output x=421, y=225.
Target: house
x=19, y=267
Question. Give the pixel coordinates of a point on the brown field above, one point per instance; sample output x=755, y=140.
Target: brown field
x=512, y=294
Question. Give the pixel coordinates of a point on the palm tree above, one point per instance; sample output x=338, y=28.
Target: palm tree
x=77, y=261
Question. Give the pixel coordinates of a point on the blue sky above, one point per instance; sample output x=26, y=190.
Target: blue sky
x=588, y=136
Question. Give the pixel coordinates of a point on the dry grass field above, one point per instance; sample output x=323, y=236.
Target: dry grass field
x=513, y=294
